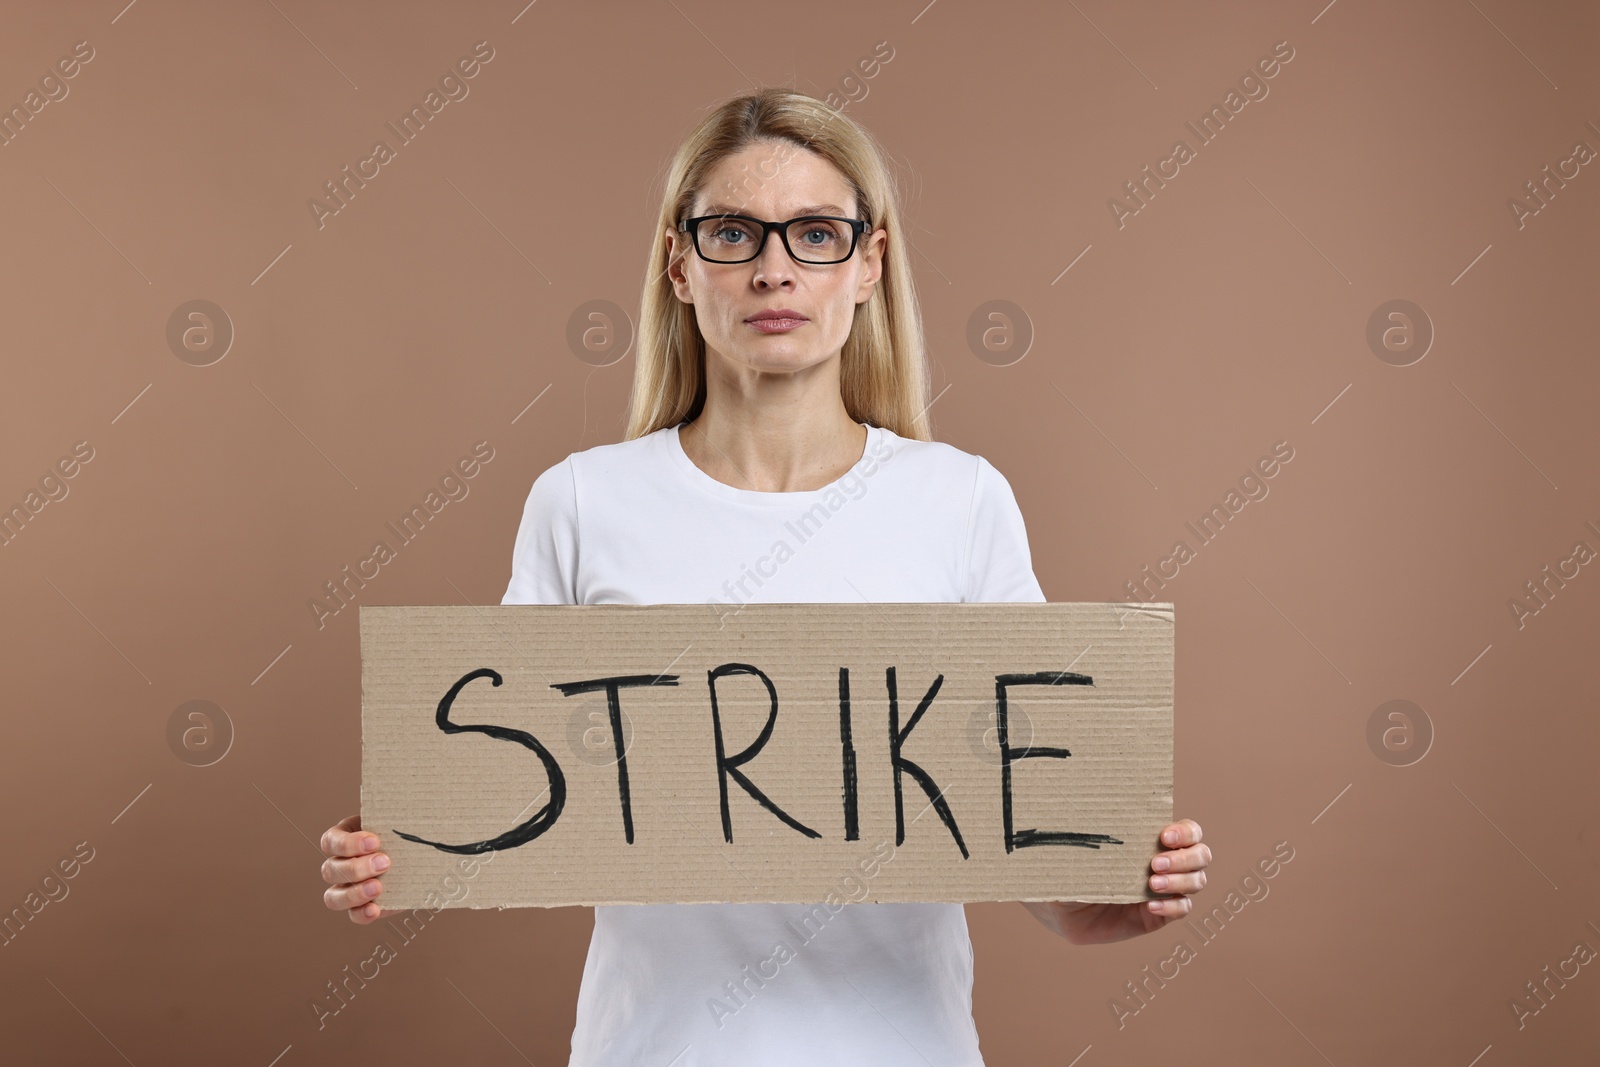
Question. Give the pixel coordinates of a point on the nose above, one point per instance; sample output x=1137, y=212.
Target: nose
x=773, y=263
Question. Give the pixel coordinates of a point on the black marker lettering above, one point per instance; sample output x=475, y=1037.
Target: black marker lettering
x=614, y=705
x=1030, y=838
x=544, y=818
x=852, y=831
x=897, y=738
x=727, y=765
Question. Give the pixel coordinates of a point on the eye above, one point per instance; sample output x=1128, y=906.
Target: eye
x=828, y=231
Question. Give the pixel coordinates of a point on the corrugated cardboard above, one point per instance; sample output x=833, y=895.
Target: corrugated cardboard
x=758, y=752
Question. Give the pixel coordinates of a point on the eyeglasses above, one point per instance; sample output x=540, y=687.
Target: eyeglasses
x=812, y=239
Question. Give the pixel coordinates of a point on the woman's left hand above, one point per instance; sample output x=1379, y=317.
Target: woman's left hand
x=1180, y=870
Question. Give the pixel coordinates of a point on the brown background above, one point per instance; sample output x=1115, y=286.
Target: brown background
x=1226, y=316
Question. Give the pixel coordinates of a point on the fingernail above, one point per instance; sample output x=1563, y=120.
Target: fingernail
x=380, y=863
x=369, y=843
x=1158, y=882
x=371, y=888
x=1160, y=863
x=1155, y=905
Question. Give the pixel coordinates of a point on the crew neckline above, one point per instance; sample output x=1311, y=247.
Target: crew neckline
x=681, y=460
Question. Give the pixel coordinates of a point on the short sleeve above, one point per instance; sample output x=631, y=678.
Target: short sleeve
x=544, y=562
x=999, y=564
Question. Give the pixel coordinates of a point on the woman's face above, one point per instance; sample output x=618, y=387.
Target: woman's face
x=777, y=182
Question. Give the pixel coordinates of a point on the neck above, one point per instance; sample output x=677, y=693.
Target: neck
x=774, y=444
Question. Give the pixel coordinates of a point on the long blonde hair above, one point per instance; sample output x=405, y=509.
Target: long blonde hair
x=883, y=372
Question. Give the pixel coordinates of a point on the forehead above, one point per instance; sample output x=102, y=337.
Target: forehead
x=777, y=180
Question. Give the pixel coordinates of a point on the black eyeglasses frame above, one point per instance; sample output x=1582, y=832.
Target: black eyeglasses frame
x=857, y=228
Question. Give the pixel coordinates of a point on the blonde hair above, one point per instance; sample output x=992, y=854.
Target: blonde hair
x=883, y=370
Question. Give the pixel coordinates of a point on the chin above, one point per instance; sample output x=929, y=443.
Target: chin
x=772, y=353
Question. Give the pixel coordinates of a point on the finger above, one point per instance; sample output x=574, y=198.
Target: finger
x=1178, y=883
x=346, y=871
x=346, y=838
x=343, y=826
x=1171, y=907
x=1181, y=833
x=369, y=913
x=345, y=897
x=1193, y=858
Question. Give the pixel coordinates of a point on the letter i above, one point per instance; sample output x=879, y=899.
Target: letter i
x=852, y=828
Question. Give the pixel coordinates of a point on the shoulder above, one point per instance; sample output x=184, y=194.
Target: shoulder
x=599, y=463
x=621, y=458
x=952, y=466
x=940, y=456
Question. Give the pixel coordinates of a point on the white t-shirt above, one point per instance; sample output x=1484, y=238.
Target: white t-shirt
x=752, y=985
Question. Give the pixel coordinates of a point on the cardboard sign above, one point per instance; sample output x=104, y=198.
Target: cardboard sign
x=788, y=753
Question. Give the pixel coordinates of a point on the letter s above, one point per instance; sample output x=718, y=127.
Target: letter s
x=477, y=450
x=1278, y=48
x=478, y=50
x=78, y=450
x=878, y=51
x=1278, y=450
x=78, y=851
x=1277, y=850
x=78, y=50
x=544, y=818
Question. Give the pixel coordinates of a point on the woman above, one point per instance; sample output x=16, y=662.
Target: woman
x=779, y=367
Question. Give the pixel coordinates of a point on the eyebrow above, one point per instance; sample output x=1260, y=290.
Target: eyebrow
x=813, y=209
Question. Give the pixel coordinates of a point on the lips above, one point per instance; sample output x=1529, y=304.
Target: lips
x=778, y=315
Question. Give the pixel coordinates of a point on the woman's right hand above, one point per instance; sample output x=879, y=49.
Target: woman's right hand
x=351, y=871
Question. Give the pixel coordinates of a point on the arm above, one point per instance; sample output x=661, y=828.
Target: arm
x=1000, y=568
x=544, y=567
